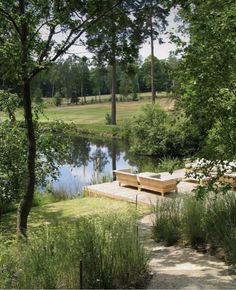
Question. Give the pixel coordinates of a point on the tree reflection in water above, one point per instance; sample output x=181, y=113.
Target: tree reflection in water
x=91, y=159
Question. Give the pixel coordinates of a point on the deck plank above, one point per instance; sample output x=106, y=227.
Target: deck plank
x=113, y=190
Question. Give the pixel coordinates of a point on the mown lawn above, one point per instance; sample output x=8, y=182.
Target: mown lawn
x=90, y=118
x=63, y=211
x=95, y=113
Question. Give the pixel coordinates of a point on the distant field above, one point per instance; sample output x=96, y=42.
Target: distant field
x=95, y=113
x=91, y=117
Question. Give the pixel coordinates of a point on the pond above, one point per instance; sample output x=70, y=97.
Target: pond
x=93, y=160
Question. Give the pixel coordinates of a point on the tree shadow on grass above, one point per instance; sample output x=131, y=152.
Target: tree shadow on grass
x=38, y=218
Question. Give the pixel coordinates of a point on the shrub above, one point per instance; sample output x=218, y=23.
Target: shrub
x=170, y=164
x=57, y=99
x=109, y=247
x=108, y=119
x=148, y=130
x=156, y=132
x=135, y=97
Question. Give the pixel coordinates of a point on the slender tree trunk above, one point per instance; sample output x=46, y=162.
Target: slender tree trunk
x=82, y=89
x=27, y=198
x=113, y=96
x=152, y=58
x=53, y=89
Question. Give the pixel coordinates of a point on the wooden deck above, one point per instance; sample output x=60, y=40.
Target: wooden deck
x=113, y=190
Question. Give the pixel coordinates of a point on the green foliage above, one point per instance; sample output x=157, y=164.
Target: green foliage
x=112, y=255
x=50, y=196
x=148, y=130
x=9, y=102
x=208, y=73
x=12, y=163
x=220, y=140
x=161, y=78
x=108, y=119
x=57, y=99
x=169, y=164
x=53, y=150
x=156, y=132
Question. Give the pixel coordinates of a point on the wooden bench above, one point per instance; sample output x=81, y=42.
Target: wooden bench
x=158, y=184
x=125, y=177
x=229, y=178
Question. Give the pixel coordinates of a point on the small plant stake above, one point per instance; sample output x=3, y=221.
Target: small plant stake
x=81, y=273
x=136, y=202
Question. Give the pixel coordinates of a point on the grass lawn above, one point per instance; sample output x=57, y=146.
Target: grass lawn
x=64, y=211
x=95, y=113
x=91, y=117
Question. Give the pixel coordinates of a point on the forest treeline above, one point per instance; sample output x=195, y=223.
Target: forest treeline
x=75, y=78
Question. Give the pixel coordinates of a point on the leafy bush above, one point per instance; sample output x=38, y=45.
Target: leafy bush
x=170, y=164
x=156, y=132
x=148, y=130
x=108, y=246
x=108, y=119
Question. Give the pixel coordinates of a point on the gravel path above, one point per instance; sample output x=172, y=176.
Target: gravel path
x=183, y=268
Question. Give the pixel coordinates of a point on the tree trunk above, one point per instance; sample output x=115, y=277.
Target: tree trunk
x=53, y=89
x=82, y=90
x=27, y=198
x=11, y=115
x=152, y=59
x=113, y=90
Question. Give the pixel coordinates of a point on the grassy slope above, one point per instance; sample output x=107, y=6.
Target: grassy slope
x=64, y=210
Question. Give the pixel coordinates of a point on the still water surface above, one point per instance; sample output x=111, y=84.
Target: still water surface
x=92, y=159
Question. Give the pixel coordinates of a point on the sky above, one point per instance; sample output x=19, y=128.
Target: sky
x=161, y=51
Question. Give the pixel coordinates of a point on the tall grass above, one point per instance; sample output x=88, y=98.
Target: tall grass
x=221, y=224
x=198, y=223
x=167, y=222
x=193, y=221
x=111, y=252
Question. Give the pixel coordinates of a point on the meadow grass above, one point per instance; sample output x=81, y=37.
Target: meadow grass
x=108, y=246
